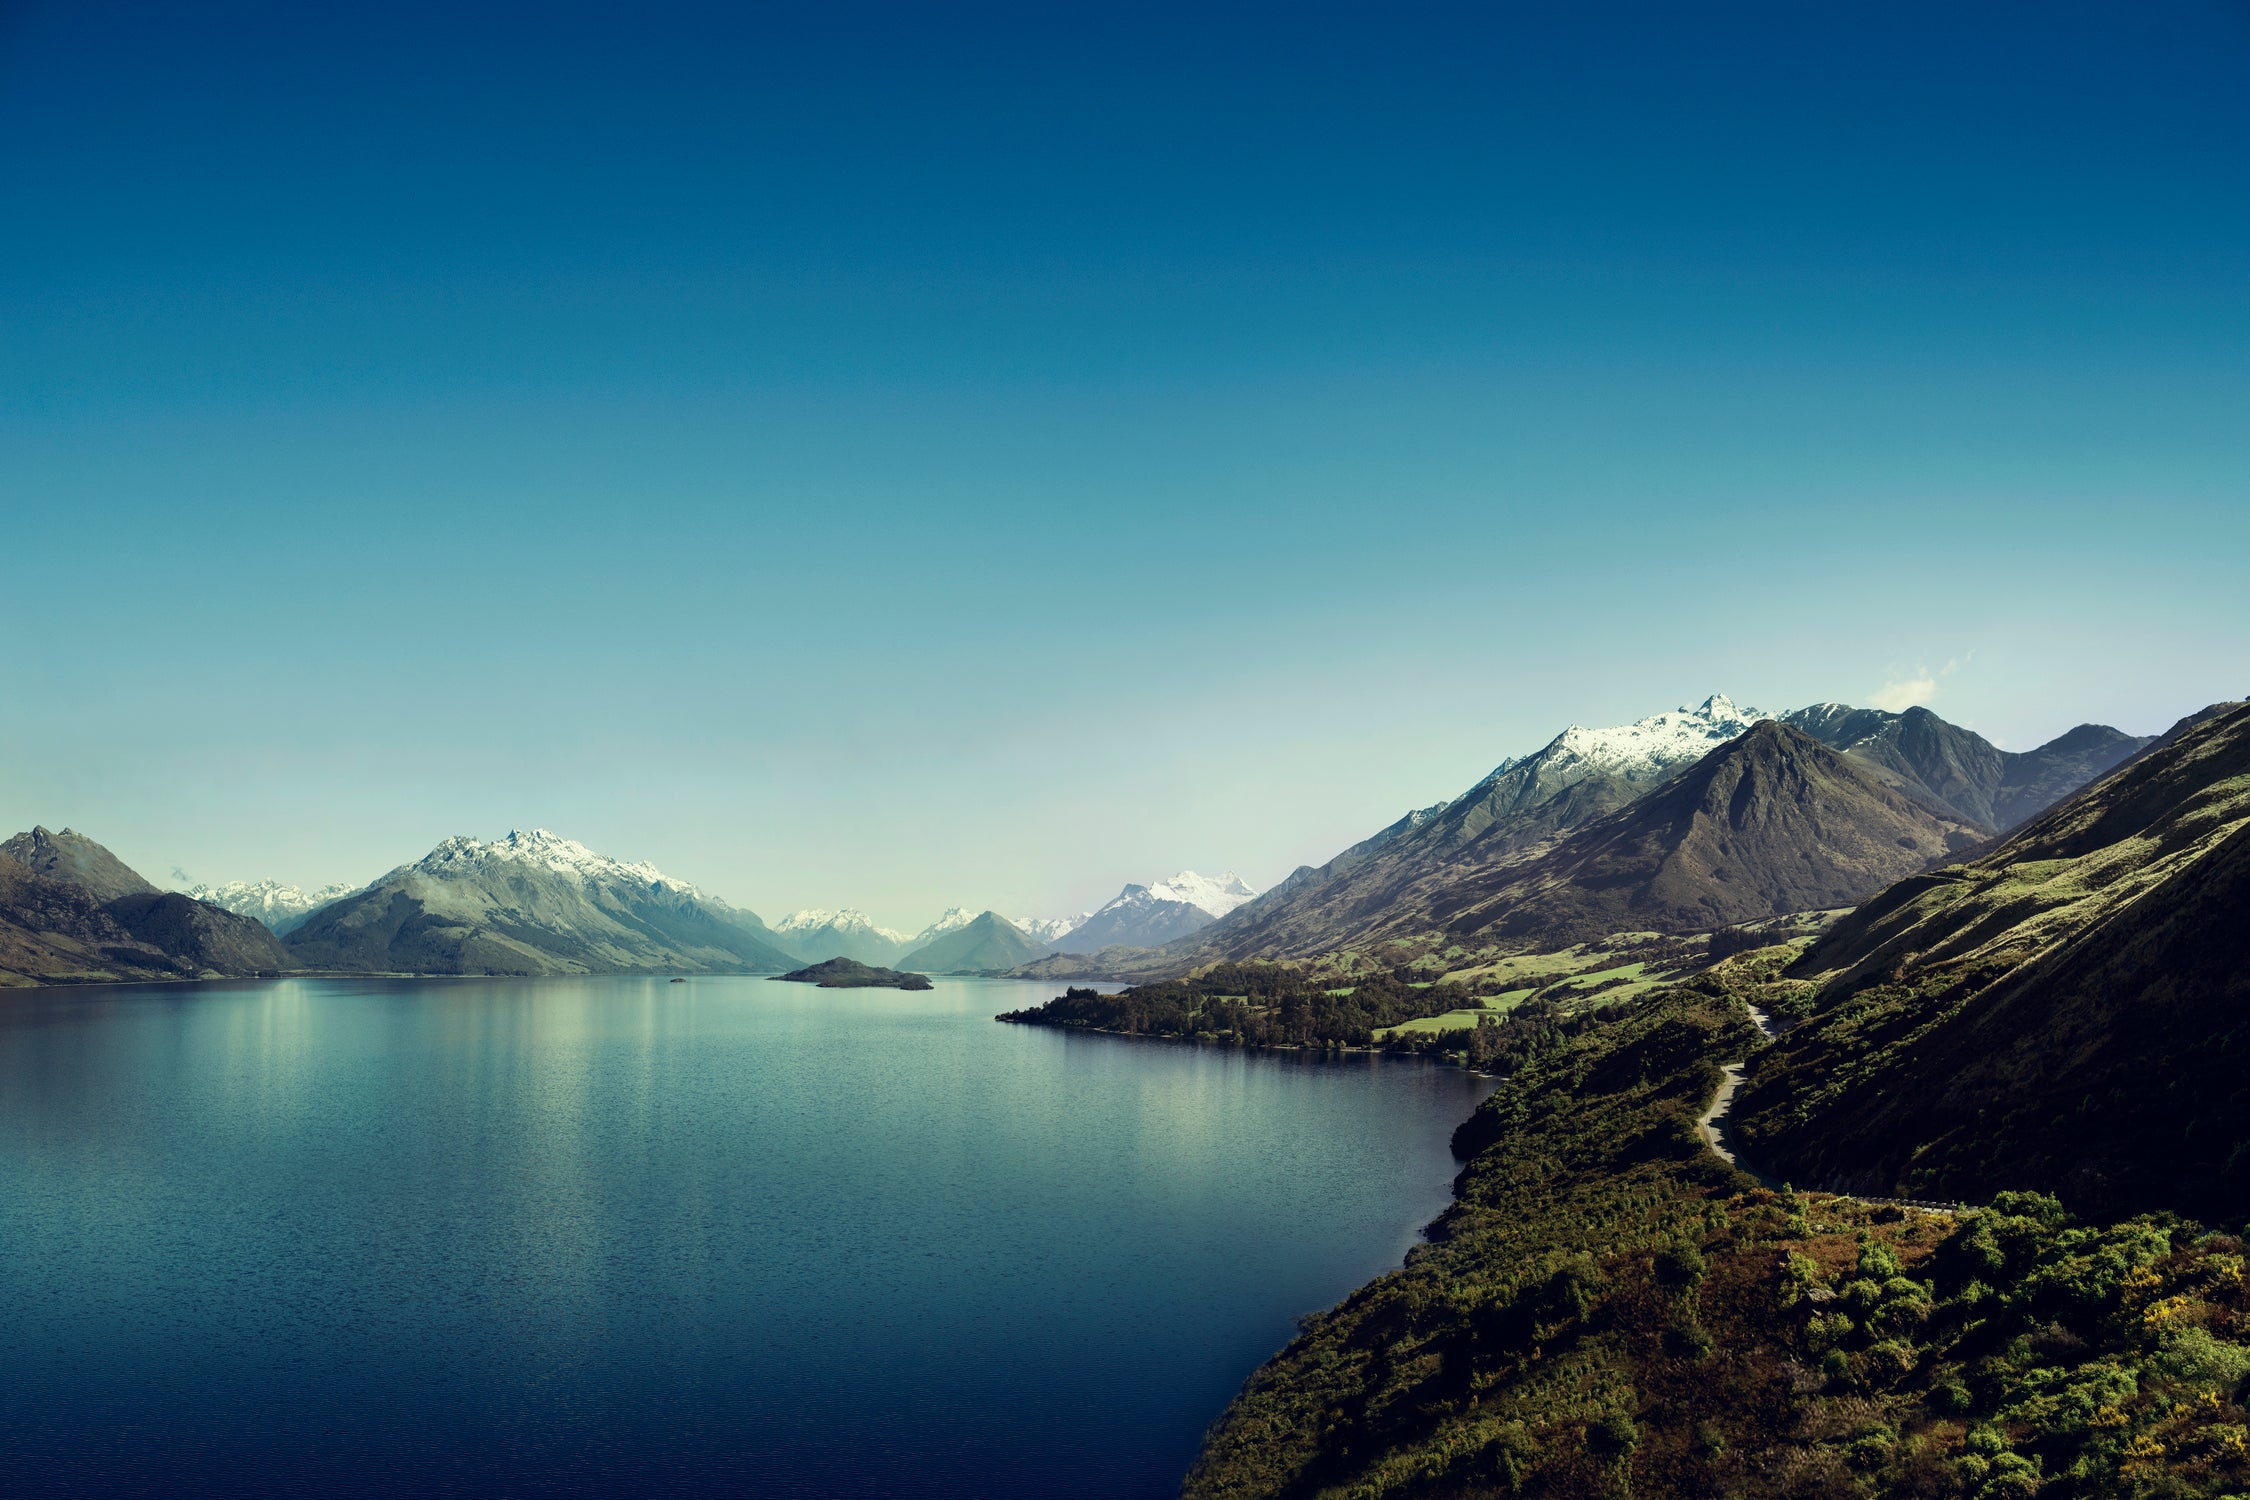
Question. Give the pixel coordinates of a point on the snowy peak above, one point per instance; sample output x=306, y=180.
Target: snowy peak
x=1051, y=929
x=1145, y=916
x=463, y=857
x=848, y=920
x=1215, y=894
x=279, y=905
x=1647, y=747
x=954, y=919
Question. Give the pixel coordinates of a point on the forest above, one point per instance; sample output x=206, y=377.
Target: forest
x=1250, y=1004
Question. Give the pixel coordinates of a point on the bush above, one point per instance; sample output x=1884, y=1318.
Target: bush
x=1680, y=1265
x=1616, y=1433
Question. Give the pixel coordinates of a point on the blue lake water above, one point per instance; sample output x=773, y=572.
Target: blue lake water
x=607, y=1236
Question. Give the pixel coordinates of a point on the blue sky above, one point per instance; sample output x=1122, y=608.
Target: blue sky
x=915, y=456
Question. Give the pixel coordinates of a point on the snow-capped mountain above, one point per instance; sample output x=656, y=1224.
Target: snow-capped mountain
x=818, y=934
x=1651, y=747
x=461, y=857
x=1144, y=916
x=954, y=919
x=534, y=903
x=282, y=907
x=1051, y=929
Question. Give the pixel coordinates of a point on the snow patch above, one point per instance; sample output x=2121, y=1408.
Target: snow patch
x=1647, y=747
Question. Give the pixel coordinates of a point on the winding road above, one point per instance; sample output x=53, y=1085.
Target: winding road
x=1708, y=1126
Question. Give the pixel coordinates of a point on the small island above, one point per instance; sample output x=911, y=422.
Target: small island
x=850, y=974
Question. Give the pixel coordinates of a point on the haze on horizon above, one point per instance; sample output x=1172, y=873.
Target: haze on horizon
x=899, y=459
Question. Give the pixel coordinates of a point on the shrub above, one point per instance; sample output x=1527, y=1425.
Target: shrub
x=2192, y=1355
x=1679, y=1265
x=1616, y=1433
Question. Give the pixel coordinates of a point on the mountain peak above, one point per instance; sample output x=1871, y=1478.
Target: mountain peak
x=1646, y=747
x=849, y=920
x=71, y=856
x=463, y=855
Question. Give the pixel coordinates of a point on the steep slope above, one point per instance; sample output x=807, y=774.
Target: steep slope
x=533, y=903
x=82, y=916
x=817, y=934
x=1147, y=916
x=282, y=907
x=1773, y=823
x=70, y=855
x=209, y=939
x=1959, y=770
x=1397, y=875
x=987, y=942
x=54, y=932
x=2063, y=1013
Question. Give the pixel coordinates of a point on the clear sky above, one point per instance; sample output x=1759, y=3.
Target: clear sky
x=906, y=456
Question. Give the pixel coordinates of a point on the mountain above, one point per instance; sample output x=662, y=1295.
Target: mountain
x=1772, y=823
x=1579, y=776
x=1960, y=770
x=533, y=903
x=954, y=919
x=984, y=943
x=818, y=934
x=283, y=908
x=2063, y=1012
x=72, y=912
x=1417, y=866
x=1051, y=930
x=1146, y=916
x=70, y=855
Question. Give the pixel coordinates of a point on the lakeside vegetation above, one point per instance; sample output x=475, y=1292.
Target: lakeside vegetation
x=1258, y=1005
x=1609, y=1309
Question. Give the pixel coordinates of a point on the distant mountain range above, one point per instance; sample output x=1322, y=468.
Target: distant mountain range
x=534, y=903
x=1148, y=915
x=1959, y=770
x=1454, y=867
x=283, y=908
x=983, y=944
x=818, y=934
x=72, y=913
x=1679, y=822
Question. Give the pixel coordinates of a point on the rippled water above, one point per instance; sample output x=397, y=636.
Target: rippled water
x=613, y=1235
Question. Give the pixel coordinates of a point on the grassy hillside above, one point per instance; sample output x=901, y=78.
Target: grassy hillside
x=1610, y=1310
x=2066, y=1012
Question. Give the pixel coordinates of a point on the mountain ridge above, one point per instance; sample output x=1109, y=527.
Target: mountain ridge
x=534, y=903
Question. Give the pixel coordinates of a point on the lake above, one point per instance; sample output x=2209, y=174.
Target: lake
x=585, y=1237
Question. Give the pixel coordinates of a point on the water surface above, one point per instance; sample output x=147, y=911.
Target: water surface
x=582, y=1237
